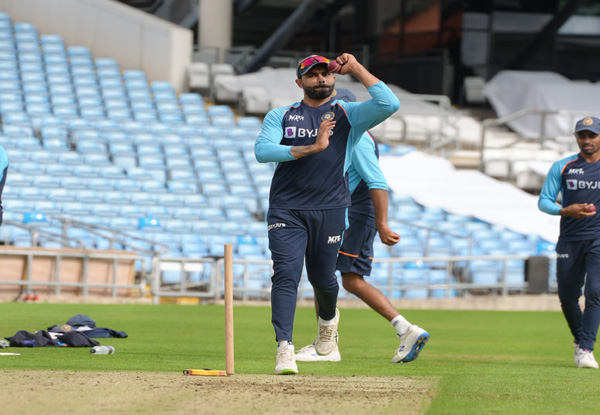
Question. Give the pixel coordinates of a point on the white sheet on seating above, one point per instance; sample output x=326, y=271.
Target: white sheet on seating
x=511, y=91
x=433, y=181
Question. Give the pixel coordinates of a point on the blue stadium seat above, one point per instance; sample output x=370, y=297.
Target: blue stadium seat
x=157, y=211
x=123, y=224
x=116, y=197
x=32, y=193
x=238, y=215
x=19, y=179
x=181, y=188
x=143, y=199
x=196, y=201
x=178, y=225
x=60, y=195
x=100, y=184
x=154, y=186
x=128, y=185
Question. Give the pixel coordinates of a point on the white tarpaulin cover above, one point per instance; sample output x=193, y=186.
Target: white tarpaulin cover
x=433, y=181
x=511, y=91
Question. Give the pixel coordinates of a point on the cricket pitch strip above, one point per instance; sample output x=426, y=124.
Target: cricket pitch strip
x=31, y=392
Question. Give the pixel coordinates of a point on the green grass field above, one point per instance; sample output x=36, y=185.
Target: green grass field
x=481, y=361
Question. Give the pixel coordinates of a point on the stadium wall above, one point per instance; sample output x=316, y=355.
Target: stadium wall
x=136, y=40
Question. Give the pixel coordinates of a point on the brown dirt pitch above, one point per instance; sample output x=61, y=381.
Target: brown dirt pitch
x=37, y=392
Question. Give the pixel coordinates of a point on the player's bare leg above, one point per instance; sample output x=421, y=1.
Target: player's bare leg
x=356, y=284
x=412, y=338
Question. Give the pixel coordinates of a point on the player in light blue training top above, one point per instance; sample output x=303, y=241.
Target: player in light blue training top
x=577, y=178
x=312, y=143
x=3, y=172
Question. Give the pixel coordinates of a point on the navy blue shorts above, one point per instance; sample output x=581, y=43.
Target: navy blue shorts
x=356, y=252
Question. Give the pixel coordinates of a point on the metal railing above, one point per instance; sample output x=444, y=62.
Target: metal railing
x=252, y=283
x=112, y=235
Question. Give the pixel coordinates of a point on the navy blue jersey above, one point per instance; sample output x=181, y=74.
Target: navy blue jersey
x=324, y=183
x=579, y=182
x=318, y=181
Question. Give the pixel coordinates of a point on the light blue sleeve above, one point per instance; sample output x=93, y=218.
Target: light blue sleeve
x=365, y=166
x=367, y=114
x=552, y=186
x=267, y=147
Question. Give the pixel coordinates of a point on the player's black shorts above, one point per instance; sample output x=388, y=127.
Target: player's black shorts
x=356, y=252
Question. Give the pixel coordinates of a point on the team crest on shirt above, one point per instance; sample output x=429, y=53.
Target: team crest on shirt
x=329, y=115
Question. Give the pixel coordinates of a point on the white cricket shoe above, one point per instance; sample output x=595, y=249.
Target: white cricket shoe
x=327, y=336
x=411, y=344
x=586, y=359
x=309, y=354
x=576, y=353
x=285, y=362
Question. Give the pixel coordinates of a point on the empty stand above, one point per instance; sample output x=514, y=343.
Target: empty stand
x=90, y=142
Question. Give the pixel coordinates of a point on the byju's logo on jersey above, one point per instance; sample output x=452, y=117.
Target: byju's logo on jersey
x=295, y=132
x=334, y=239
x=583, y=184
x=290, y=132
x=575, y=171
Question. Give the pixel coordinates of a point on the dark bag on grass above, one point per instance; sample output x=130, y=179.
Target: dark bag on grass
x=77, y=339
x=24, y=338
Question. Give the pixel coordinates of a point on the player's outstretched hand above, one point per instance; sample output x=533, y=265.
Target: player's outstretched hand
x=388, y=236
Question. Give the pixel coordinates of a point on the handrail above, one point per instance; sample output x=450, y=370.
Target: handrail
x=36, y=232
x=95, y=229
x=98, y=230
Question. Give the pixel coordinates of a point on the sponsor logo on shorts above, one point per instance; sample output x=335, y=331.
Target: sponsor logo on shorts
x=334, y=239
x=564, y=256
x=276, y=225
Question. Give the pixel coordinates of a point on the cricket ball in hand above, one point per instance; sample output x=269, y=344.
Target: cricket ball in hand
x=591, y=208
x=333, y=66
